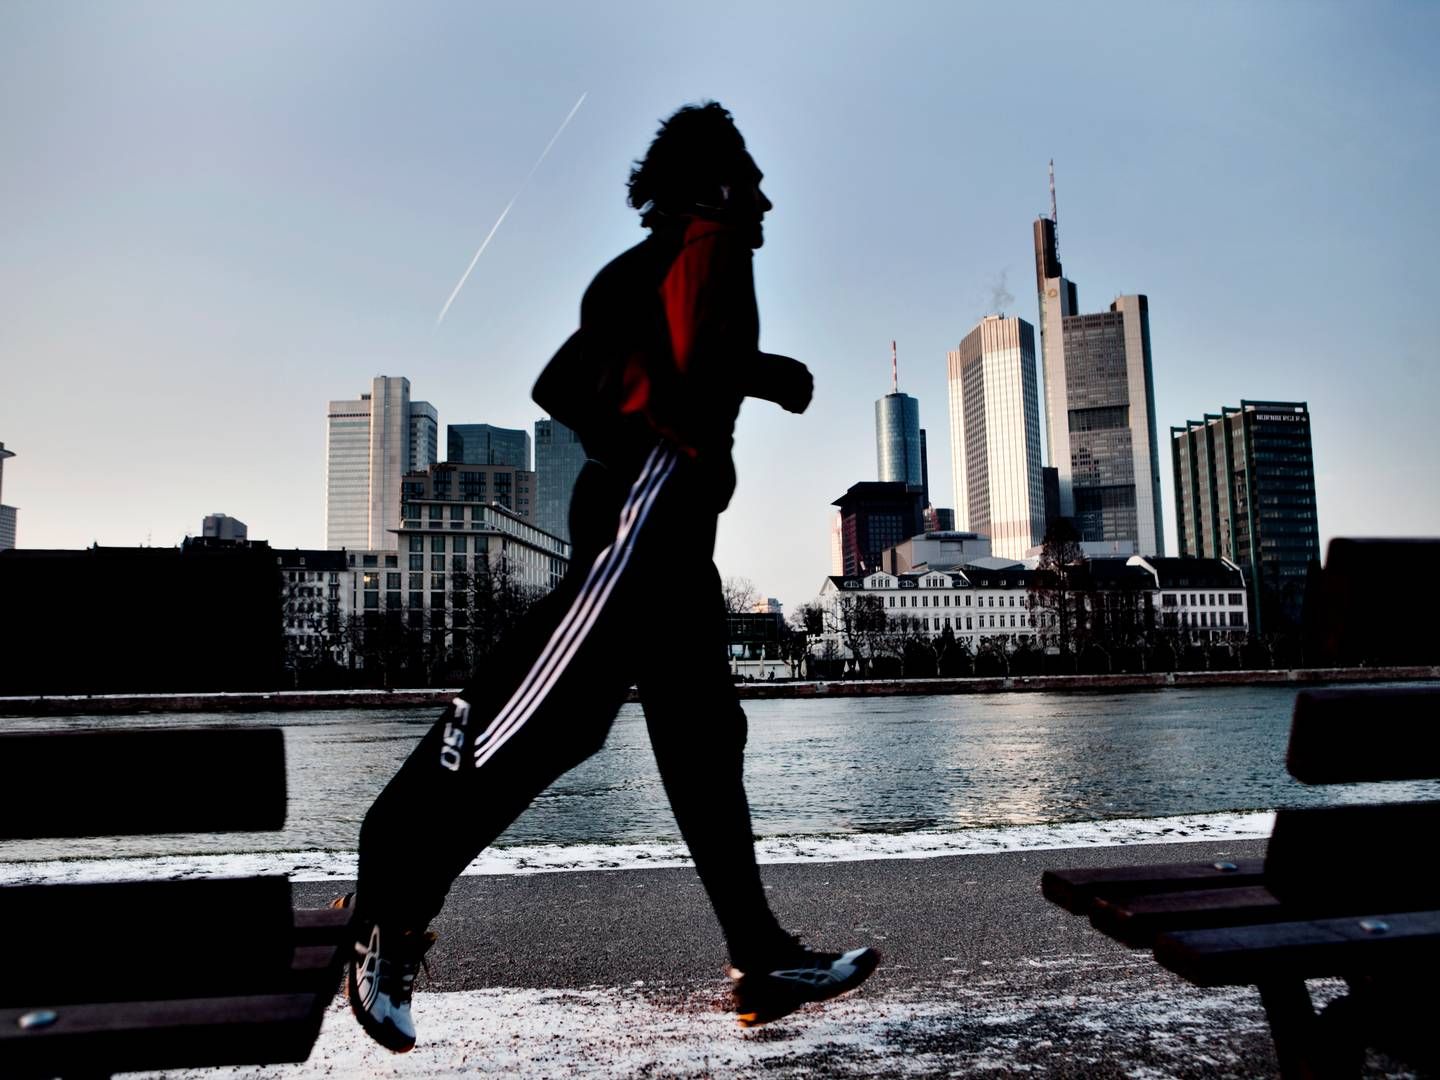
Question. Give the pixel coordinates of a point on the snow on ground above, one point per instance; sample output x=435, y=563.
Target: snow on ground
x=1075, y=1017
x=319, y=865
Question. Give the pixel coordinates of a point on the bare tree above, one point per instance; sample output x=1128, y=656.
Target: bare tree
x=860, y=621
x=809, y=619
x=1055, y=594
x=740, y=594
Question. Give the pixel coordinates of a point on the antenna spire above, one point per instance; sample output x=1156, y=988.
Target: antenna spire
x=894, y=370
x=1054, y=214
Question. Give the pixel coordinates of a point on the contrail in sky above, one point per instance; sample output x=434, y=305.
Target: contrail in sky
x=488, y=236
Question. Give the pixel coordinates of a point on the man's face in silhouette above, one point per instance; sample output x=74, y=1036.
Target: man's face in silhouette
x=745, y=204
x=740, y=200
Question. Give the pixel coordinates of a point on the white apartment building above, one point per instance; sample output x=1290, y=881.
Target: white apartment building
x=973, y=603
x=316, y=598
x=1199, y=599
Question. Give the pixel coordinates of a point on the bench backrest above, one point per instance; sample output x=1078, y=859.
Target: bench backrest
x=1353, y=735
x=188, y=938
x=1374, y=603
x=1376, y=855
x=140, y=782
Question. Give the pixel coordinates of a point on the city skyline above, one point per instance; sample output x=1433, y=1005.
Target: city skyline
x=211, y=229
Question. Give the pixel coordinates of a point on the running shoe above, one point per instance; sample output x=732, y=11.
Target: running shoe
x=797, y=977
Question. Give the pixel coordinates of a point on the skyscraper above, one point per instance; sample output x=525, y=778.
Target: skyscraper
x=898, y=446
x=995, y=436
x=559, y=457
x=370, y=443
x=875, y=516
x=1099, y=406
x=485, y=444
x=1245, y=491
x=7, y=513
x=559, y=460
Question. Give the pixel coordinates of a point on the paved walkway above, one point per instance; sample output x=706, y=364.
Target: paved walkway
x=617, y=973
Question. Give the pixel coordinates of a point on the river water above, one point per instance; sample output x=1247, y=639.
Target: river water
x=835, y=767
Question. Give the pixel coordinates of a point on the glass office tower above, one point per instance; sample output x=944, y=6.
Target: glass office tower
x=1245, y=491
x=897, y=441
x=485, y=444
x=559, y=457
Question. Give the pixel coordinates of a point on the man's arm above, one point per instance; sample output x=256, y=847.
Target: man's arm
x=781, y=379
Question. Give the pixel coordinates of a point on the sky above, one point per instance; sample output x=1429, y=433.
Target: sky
x=215, y=218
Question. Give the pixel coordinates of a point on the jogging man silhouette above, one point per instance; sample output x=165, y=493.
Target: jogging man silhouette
x=652, y=382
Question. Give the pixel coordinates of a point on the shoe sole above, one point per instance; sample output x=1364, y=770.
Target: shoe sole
x=771, y=1004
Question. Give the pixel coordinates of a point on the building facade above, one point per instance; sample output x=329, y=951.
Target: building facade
x=939, y=550
x=971, y=602
x=485, y=510
x=1099, y=408
x=875, y=516
x=7, y=513
x=1190, y=599
x=995, y=436
x=371, y=442
x=1245, y=491
x=485, y=444
x=511, y=488
x=559, y=457
x=317, y=589
x=223, y=527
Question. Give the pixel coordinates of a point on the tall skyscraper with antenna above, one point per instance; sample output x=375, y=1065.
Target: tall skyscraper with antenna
x=1099, y=406
x=899, y=442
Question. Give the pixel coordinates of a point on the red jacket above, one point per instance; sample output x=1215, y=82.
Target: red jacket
x=667, y=345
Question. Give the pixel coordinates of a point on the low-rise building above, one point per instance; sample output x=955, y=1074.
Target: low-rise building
x=223, y=527
x=1015, y=605
x=316, y=597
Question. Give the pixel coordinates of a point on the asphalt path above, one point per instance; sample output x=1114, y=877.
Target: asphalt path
x=981, y=977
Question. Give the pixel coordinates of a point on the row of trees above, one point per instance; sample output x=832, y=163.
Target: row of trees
x=413, y=647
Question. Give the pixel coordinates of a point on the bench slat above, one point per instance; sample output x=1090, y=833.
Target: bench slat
x=237, y=1030
x=129, y=783
x=1136, y=920
x=1242, y=955
x=173, y=938
x=1077, y=889
x=1355, y=735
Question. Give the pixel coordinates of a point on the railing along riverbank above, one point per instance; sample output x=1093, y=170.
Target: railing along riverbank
x=294, y=700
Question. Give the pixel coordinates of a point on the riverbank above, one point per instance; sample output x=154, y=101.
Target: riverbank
x=288, y=701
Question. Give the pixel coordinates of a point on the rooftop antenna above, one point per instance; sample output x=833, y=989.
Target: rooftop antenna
x=1054, y=214
x=894, y=370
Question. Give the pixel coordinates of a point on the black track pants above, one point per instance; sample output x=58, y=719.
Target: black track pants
x=640, y=606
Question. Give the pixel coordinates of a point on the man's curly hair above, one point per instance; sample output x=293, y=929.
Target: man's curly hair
x=693, y=153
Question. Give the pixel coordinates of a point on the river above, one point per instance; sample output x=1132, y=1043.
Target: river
x=834, y=767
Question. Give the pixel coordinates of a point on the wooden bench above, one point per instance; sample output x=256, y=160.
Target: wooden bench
x=121, y=976
x=1343, y=891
